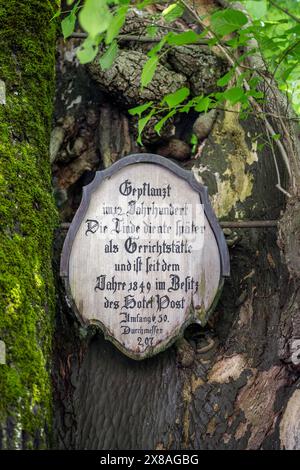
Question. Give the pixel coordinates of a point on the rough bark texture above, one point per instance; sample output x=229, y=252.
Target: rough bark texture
x=122, y=80
x=192, y=66
x=28, y=215
x=232, y=385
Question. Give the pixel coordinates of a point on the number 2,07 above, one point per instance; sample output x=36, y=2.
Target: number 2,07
x=148, y=341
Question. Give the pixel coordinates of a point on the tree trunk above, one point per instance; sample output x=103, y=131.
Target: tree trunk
x=231, y=385
x=28, y=216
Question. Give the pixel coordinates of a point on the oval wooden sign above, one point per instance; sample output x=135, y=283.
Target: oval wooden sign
x=144, y=256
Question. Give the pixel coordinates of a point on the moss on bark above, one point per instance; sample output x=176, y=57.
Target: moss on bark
x=27, y=219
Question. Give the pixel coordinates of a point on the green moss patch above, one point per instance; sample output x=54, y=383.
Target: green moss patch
x=27, y=220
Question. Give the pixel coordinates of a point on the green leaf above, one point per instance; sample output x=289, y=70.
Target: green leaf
x=194, y=142
x=86, y=55
x=116, y=24
x=95, y=17
x=142, y=123
x=203, y=104
x=87, y=51
x=253, y=82
x=294, y=30
x=243, y=116
x=286, y=73
x=268, y=46
x=226, y=78
x=186, y=108
x=57, y=14
x=218, y=96
x=180, y=39
x=149, y=70
x=245, y=105
x=162, y=121
x=193, y=139
x=241, y=38
x=276, y=136
x=68, y=25
x=256, y=94
x=243, y=76
x=257, y=9
x=227, y=21
x=173, y=99
x=107, y=59
x=233, y=42
x=173, y=11
x=152, y=30
x=140, y=109
x=143, y=4
x=157, y=48
x=234, y=95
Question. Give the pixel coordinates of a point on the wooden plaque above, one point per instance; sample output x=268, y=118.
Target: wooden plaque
x=144, y=256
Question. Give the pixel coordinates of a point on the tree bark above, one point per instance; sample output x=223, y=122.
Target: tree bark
x=230, y=385
x=28, y=216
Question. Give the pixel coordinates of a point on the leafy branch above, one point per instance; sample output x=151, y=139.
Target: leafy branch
x=285, y=10
x=275, y=42
x=270, y=129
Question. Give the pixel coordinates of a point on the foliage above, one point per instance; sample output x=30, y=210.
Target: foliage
x=274, y=32
x=278, y=37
